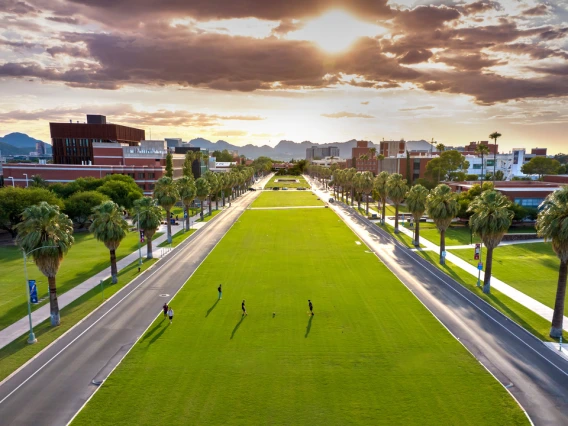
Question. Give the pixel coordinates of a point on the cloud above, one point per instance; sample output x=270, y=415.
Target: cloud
x=539, y=10
x=64, y=20
x=365, y=103
x=286, y=26
x=480, y=7
x=16, y=7
x=420, y=108
x=415, y=56
x=346, y=114
x=227, y=133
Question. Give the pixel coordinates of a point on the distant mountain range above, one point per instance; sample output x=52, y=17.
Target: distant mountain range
x=20, y=144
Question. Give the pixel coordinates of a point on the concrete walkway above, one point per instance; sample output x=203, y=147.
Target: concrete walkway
x=286, y=208
x=503, y=243
x=518, y=296
x=21, y=326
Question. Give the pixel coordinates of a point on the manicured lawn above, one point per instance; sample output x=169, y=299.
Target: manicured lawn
x=391, y=211
x=455, y=235
x=287, y=199
x=514, y=310
x=86, y=258
x=178, y=211
x=301, y=184
x=207, y=217
x=177, y=238
x=372, y=354
x=19, y=351
x=530, y=268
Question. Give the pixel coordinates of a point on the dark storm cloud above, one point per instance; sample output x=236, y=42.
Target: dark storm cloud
x=415, y=56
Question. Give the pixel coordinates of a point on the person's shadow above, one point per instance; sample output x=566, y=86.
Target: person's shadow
x=211, y=308
x=237, y=326
x=309, y=326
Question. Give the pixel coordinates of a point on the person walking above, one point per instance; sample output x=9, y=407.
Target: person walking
x=311, y=307
x=165, y=308
x=170, y=314
x=220, y=290
x=244, y=308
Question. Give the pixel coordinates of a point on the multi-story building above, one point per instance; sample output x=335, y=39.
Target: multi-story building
x=199, y=166
x=73, y=142
x=392, y=148
x=317, y=153
x=328, y=161
x=363, y=157
x=470, y=149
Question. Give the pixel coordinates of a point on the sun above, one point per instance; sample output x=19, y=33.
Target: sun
x=335, y=31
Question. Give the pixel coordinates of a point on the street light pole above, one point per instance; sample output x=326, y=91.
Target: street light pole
x=26, y=175
x=31, y=339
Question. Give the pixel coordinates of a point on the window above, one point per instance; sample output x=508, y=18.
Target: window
x=150, y=175
x=140, y=175
x=490, y=162
x=477, y=166
x=529, y=202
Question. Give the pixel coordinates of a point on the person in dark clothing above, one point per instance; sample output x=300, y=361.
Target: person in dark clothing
x=220, y=290
x=311, y=307
x=244, y=308
x=165, y=308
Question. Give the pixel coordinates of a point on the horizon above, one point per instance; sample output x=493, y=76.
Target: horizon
x=452, y=71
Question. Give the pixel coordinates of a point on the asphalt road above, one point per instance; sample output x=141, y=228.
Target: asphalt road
x=534, y=374
x=54, y=386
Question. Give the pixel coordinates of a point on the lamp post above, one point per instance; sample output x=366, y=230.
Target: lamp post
x=26, y=175
x=139, y=238
x=32, y=339
x=10, y=177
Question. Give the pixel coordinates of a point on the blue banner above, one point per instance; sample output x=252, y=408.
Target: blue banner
x=33, y=291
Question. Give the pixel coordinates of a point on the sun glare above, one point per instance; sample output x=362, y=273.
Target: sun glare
x=335, y=31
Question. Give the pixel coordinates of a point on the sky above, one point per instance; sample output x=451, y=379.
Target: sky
x=258, y=71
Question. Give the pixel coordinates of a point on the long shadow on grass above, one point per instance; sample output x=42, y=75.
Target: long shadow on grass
x=154, y=329
x=309, y=326
x=211, y=308
x=157, y=336
x=237, y=327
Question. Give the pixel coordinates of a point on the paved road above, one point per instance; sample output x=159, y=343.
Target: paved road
x=536, y=376
x=54, y=386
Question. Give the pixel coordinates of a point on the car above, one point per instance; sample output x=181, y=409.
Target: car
x=275, y=188
x=301, y=189
x=331, y=200
x=251, y=189
x=284, y=189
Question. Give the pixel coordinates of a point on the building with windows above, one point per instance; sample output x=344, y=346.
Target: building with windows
x=316, y=152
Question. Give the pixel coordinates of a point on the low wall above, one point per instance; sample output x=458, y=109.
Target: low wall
x=520, y=237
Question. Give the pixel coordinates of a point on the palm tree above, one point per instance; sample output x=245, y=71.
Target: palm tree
x=110, y=228
x=188, y=163
x=495, y=136
x=202, y=190
x=380, y=187
x=166, y=193
x=150, y=215
x=349, y=182
x=358, y=186
x=381, y=157
x=416, y=202
x=363, y=157
x=373, y=152
x=396, y=191
x=490, y=221
x=482, y=150
x=214, y=187
x=49, y=235
x=552, y=224
x=186, y=189
x=366, y=185
x=442, y=206
x=440, y=147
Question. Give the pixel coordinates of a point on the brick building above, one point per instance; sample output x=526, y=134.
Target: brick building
x=363, y=148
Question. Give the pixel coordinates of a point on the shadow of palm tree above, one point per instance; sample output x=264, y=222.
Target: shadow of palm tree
x=237, y=326
x=309, y=326
x=154, y=329
x=211, y=308
x=157, y=336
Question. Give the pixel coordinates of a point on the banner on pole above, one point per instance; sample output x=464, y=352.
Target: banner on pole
x=141, y=235
x=477, y=251
x=33, y=291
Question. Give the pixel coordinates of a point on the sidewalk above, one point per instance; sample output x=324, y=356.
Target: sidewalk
x=22, y=326
x=518, y=296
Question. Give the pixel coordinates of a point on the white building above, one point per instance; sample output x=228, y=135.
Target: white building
x=510, y=164
x=327, y=161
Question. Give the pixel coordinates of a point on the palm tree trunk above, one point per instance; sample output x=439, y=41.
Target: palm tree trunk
x=149, y=254
x=53, y=303
x=367, y=207
x=113, y=268
x=558, y=316
x=488, y=269
x=417, y=232
x=494, y=162
x=210, y=205
x=396, y=218
x=201, y=209
x=186, y=218
x=359, y=201
x=169, y=226
x=223, y=198
x=216, y=202
x=352, y=197
x=384, y=212
x=442, y=246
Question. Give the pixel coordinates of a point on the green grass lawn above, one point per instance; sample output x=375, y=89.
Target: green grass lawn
x=178, y=211
x=19, y=351
x=372, y=354
x=391, y=211
x=86, y=258
x=177, y=238
x=287, y=199
x=207, y=217
x=534, y=323
x=301, y=184
x=530, y=268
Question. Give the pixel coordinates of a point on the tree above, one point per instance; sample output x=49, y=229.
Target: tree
x=38, y=182
x=150, y=214
x=79, y=207
x=380, y=187
x=541, y=166
x=213, y=187
x=495, y=136
x=491, y=219
x=169, y=165
x=380, y=157
x=50, y=233
x=442, y=207
x=166, y=193
x=440, y=147
x=202, y=190
x=482, y=150
x=416, y=203
x=121, y=189
x=14, y=200
x=110, y=228
x=396, y=191
x=186, y=190
x=188, y=164
x=552, y=225
x=449, y=161
x=366, y=187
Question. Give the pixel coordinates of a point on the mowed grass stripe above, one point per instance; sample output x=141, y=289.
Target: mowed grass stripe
x=372, y=354
x=287, y=199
